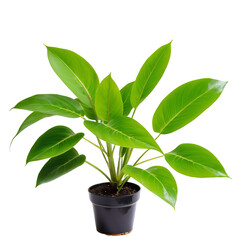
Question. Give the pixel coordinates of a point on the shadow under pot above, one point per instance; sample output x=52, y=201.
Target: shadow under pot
x=114, y=214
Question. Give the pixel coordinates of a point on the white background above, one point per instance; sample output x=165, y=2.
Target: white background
x=117, y=37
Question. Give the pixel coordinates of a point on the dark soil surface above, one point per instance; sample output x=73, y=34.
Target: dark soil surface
x=107, y=189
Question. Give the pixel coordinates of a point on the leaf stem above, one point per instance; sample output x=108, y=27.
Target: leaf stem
x=145, y=151
x=126, y=160
x=122, y=184
x=157, y=136
x=140, y=157
x=111, y=163
x=136, y=163
x=103, y=150
x=134, y=112
x=119, y=163
x=101, y=146
x=98, y=170
x=82, y=117
x=150, y=159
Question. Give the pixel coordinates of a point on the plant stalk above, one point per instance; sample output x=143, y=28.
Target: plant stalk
x=103, y=150
x=98, y=170
x=111, y=164
x=145, y=151
x=128, y=177
x=101, y=146
x=125, y=161
x=150, y=159
x=134, y=112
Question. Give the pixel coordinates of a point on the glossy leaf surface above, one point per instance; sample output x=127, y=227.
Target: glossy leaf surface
x=60, y=165
x=53, y=104
x=126, y=94
x=150, y=74
x=195, y=161
x=157, y=179
x=77, y=74
x=53, y=142
x=186, y=103
x=31, y=119
x=108, y=100
x=125, y=132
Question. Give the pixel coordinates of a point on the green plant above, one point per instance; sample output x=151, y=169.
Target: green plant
x=107, y=109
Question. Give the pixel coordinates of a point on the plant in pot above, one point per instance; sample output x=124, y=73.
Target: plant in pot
x=105, y=111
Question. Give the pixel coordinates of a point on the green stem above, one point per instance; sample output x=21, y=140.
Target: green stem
x=82, y=117
x=150, y=159
x=134, y=112
x=103, y=150
x=140, y=157
x=145, y=152
x=111, y=164
x=125, y=161
x=98, y=170
x=157, y=136
x=101, y=146
x=136, y=163
x=122, y=184
x=127, y=156
x=119, y=162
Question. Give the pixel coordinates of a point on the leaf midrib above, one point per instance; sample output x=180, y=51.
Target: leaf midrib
x=34, y=158
x=108, y=101
x=156, y=179
x=189, y=160
x=72, y=159
x=56, y=106
x=191, y=102
x=139, y=98
x=115, y=130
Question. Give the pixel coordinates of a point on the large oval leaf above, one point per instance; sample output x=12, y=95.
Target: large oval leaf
x=156, y=179
x=52, y=104
x=53, y=142
x=125, y=132
x=185, y=103
x=126, y=94
x=60, y=165
x=31, y=119
x=150, y=74
x=195, y=161
x=77, y=74
x=108, y=100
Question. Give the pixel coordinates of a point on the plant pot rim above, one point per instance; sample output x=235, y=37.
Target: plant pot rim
x=121, y=196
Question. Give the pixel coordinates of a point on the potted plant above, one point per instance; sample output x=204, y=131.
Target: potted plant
x=105, y=111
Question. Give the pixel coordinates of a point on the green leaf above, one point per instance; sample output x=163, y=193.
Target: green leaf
x=53, y=104
x=124, y=132
x=126, y=94
x=150, y=74
x=195, y=161
x=156, y=179
x=77, y=74
x=53, y=142
x=89, y=112
x=60, y=165
x=186, y=103
x=108, y=100
x=31, y=119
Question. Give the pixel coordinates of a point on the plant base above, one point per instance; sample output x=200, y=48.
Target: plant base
x=114, y=215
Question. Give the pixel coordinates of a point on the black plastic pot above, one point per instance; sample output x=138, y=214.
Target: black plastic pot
x=114, y=215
